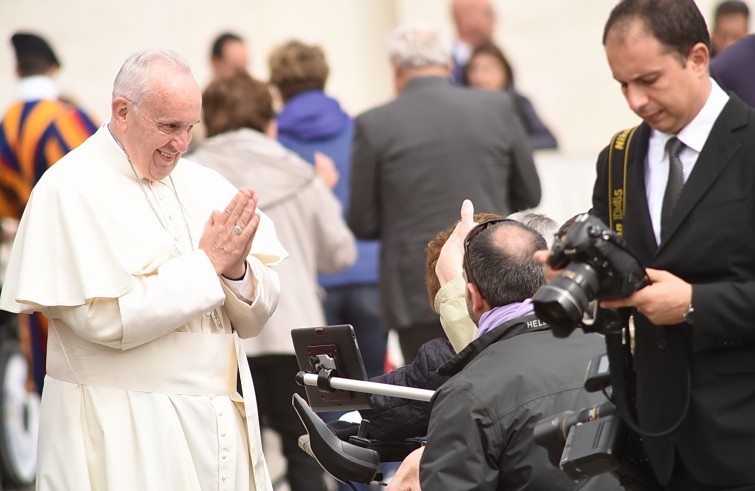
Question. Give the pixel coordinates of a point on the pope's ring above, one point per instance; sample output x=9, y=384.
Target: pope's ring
x=236, y=230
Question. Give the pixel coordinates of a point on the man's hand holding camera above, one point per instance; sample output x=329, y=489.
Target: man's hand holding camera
x=544, y=258
x=664, y=302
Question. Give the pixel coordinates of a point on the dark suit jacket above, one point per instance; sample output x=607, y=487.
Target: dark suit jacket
x=710, y=245
x=458, y=76
x=734, y=69
x=414, y=160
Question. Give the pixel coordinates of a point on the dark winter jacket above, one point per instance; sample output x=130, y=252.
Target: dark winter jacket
x=394, y=419
x=480, y=434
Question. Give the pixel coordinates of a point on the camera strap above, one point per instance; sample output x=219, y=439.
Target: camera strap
x=618, y=159
x=619, y=359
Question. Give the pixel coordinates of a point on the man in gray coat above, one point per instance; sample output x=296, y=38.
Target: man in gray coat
x=415, y=158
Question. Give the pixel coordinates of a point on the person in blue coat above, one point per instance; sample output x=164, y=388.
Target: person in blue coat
x=312, y=122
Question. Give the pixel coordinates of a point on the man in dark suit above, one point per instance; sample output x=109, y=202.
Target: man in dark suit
x=734, y=69
x=695, y=324
x=416, y=158
x=474, y=21
x=731, y=23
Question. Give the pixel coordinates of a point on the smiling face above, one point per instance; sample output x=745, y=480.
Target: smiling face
x=663, y=88
x=156, y=131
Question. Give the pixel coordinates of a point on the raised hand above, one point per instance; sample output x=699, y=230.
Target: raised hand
x=326, y=169
x=451, y=258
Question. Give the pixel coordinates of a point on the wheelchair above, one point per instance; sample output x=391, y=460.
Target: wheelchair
x=343, y=449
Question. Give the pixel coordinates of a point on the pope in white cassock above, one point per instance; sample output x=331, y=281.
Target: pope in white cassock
x=150, y=268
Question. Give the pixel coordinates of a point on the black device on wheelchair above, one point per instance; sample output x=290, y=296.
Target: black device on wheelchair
x=334, y=379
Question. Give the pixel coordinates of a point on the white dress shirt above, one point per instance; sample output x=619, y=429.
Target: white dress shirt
x=694, y=136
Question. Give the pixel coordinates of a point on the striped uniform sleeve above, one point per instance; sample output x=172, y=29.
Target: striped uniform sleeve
x=33, y=136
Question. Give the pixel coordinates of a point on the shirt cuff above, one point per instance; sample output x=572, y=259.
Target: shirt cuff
x=245, y=288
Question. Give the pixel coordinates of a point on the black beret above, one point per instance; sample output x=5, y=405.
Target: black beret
x=31, y=45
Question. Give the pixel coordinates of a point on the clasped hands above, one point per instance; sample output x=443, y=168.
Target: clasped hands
x=227, y=248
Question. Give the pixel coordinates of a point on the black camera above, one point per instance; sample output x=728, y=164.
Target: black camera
x=581, y=443
x=596, y=266
x=595, y=441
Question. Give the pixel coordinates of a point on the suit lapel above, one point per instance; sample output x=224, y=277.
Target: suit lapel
x=718, y=151
x=640, y=214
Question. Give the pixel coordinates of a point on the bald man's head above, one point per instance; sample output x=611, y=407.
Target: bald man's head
x=475, y=21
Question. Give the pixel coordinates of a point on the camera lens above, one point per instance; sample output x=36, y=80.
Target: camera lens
x=551, y=432
x=562, y=302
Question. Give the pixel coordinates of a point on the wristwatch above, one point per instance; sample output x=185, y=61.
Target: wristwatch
x=688, y=316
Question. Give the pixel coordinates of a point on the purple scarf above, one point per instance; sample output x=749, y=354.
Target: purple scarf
x=498, y=315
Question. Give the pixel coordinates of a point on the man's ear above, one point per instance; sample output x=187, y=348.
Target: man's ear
x=700, y=58
x=399, y=78
x=479, y=305
x=119, y=109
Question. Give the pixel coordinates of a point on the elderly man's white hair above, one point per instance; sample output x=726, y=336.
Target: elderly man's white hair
x=133, y=81
x=418, y=46
x=542, y=224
